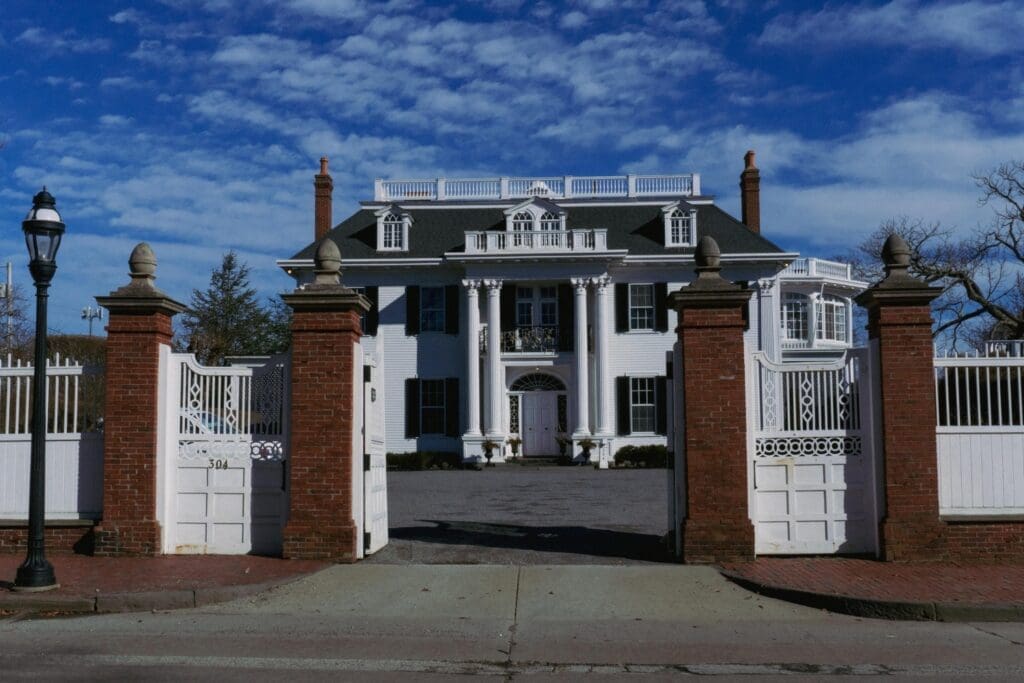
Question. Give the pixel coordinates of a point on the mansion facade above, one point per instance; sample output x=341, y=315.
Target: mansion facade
x=534, y=311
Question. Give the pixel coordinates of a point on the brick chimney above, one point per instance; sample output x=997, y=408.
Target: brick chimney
x=324, y=186
x=750, y=193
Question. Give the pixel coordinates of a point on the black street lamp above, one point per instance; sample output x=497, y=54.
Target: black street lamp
x=43, y=230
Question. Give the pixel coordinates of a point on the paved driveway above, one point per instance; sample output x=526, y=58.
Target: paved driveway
x=526, y=515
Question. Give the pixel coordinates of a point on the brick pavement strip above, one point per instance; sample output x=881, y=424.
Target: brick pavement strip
x=941, y=592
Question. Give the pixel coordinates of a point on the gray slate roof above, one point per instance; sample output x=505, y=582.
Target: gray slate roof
x=639, y=229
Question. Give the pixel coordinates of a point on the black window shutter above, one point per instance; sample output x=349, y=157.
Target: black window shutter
x=451, y=309
x=412, y=310
x=622, y=307
x=451, y=406
x=622, y=405
x=661, y=306
x=661, y=407
x=508, y=307
x=372, y=315
x=412, y=407
x=566, y=315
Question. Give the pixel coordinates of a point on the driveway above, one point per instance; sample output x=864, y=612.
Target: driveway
x=523, y=515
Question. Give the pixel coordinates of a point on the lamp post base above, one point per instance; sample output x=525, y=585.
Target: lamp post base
x=34, y=576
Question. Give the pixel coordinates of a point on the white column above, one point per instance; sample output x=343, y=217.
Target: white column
x=495, y=386
x=472, y=357
x=582, y=395
x=812, y=319
x=769, y=306
x=602, y=392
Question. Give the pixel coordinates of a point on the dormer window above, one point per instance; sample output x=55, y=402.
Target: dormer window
x=680, y=225
x=393, y=229
x=536, y=214
x=393, y=232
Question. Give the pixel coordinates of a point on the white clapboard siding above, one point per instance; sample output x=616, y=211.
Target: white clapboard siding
x=979, y=402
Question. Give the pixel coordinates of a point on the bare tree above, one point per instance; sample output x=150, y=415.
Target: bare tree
x=982, y=274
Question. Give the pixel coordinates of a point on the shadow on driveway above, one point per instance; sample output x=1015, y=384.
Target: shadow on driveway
x=561, y=540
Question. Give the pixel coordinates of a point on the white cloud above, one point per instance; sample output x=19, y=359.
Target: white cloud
x=68, y=41
x=114, y=120
x=574, y=19
x=985, y=28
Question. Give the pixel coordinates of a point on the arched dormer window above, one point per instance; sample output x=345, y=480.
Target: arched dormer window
x=392, y=232
x=794, y=317
x=831, y=314
x=393, y=229
x=550, y=221
x=522, y=222
x=680, y=225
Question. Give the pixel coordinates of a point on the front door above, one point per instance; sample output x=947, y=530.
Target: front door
x=540, y=423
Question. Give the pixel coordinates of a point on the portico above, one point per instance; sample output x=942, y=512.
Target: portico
x=535, y=329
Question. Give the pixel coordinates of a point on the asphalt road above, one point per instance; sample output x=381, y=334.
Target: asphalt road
x=430, y=622
x=520, y=515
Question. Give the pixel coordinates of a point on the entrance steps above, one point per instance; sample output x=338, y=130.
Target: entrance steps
x=539, y=461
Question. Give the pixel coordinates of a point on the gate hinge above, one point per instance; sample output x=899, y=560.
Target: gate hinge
x=366, y=462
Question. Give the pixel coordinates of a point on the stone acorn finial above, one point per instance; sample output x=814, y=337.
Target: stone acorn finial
x=896, y=257
x=708, y=257
x=142, y=265
x=327, y=263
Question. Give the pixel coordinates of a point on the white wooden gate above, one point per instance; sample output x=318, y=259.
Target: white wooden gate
x=813, y=456
x=226, y=488
x=375, y=489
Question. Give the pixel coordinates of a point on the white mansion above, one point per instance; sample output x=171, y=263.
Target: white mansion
x=536, y=307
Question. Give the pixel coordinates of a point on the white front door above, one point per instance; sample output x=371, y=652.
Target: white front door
x=540, y=423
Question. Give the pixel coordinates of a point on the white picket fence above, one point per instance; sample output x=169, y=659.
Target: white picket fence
x=74, y=440
x=979, y=407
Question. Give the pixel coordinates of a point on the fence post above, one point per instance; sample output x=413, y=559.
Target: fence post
x=325, y=334
x=712, y=318
x=900, y=322
x=138, y=329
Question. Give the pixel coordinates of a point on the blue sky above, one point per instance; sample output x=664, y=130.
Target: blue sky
x=196, y=125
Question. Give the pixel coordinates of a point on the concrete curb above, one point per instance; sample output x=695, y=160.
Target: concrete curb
x=883, y=609
x=144, y=601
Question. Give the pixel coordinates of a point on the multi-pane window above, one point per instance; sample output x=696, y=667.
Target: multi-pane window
x=393, y=229
x=521, y=222
x=643, y=412
x=680, y=228
x=831, y=312
x=548, y=306
x=432, y=309
x=549, y=223
x=794, y=316
x=524, y=306
x=432, y=418
x=641, y=307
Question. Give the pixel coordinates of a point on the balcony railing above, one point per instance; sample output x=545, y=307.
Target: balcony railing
x=818, y=268
x=557, y=187
x=491, y=241
x=540, y=339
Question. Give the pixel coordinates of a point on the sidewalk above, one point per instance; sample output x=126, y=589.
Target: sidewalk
x=940, y=592
x=126, y=584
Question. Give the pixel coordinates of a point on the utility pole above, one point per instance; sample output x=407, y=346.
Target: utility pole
x=89, y=313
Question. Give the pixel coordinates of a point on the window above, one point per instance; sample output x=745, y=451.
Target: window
x=794, y=317
x=432, y=309
x=432, y=418
x=524, y=306
x=521, y=222
x=831, y=312
x=643, y=413
x=641, y=307
x=394, y=228
x=680, y=228
x=548, y=306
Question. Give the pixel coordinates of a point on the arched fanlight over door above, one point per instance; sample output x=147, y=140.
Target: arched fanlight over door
x=538, y=381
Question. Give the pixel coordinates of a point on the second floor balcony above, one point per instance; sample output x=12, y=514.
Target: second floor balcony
x=500, y=241
x=523, y=339
x=816, y=268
